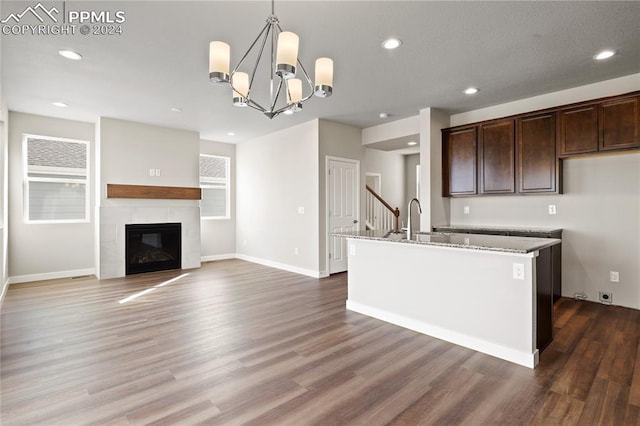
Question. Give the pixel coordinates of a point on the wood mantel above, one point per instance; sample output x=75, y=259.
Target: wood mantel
x=153, y=192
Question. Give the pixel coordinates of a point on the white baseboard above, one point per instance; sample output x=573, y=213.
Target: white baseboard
x=517, y=357
x=213, y=257
x=5, y=286
x=278, y=265
x=51, y=276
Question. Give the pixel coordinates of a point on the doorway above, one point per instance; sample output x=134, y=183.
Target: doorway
x=343, y=208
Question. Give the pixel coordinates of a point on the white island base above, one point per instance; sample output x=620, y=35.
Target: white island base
x=464, y=296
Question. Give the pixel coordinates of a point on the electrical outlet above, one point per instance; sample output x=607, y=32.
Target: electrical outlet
x=614, y=276
x=152, y=172
x=606, y=297
x=580, y=296
x=466, y=210
x=295, y=251
x=157, y=172
x=300, y=210
x=466, y=241
x=552, y=209
x=518, y=271
x=352, y=250
x=244, y=243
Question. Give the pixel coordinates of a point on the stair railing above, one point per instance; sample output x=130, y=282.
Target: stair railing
x=379, y=214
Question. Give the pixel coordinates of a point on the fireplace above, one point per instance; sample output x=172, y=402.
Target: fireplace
x=153, y=247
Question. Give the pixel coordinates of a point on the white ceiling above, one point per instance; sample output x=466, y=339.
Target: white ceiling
x=510, y=50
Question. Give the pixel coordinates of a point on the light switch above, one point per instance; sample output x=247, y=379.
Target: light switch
x=152, y=172
x=300, y=210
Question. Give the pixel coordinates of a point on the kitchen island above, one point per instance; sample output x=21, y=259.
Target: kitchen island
x=489, y=293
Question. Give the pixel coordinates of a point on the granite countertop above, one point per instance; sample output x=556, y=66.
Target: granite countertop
x=467, y=241
x=498, y=228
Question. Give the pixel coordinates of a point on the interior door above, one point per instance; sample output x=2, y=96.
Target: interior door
x=343, y=182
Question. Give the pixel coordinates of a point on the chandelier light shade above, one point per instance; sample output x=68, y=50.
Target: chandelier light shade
x=219, y=59
x=287, y=55
x=294, y=94
x=286, y=93
x=324, y=77
x=240, y=85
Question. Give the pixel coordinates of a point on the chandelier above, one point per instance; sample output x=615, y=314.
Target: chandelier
x=286, y=93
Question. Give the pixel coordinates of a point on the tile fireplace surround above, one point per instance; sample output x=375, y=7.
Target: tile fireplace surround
x=113, y=218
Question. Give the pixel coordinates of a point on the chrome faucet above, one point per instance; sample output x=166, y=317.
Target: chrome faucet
x=409, y=227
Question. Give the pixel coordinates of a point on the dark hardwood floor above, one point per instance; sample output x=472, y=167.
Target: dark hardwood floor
x=235, y=342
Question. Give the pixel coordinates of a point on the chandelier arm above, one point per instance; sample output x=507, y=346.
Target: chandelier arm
x=255, y=68
x=255, y=105
x=306, y=76
x=275, y=98
x=249, y=49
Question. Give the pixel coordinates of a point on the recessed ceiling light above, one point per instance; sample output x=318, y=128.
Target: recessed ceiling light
x=230, y=134
x=412, y=143
x=59, y=104
x=383, y=115
x=70, y=54
x=605, y=54
x=471, y=91
x=391, y=43
x=175, y=109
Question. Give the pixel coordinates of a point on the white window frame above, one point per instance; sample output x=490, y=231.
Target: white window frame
x=227, y=187
x=66, y=171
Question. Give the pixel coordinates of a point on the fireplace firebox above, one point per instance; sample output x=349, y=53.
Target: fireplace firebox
x=153, y=247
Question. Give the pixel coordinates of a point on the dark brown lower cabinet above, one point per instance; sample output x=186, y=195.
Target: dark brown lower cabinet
x=544, y=298
x=556, y=251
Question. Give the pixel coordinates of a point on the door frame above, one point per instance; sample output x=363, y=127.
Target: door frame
x=327, y=160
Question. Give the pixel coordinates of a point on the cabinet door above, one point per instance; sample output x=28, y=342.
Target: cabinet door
x=459, y=160
x=578, y=130
x=537, y=163
x=619, y=124
x=496, y=155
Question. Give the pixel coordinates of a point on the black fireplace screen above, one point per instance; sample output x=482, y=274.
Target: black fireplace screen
x=153, y=247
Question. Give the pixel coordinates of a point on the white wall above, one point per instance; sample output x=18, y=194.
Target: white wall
x=275, y=175
x=127, y=150
x=391, y=130
x=43, y=251
x=219, y=235
x=391, y=167
x=4, y=194
x=436, y=209
x=343, y=141
x=599, y=211
x=410, y=163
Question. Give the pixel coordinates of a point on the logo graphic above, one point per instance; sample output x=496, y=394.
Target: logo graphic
x=33, y=11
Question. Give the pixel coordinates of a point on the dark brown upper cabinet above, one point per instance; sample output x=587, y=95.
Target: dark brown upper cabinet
x=578, y=130
x=459, y=157
x=538, y=167
x=620, y=124
x=522, y=153
x=496, y=157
